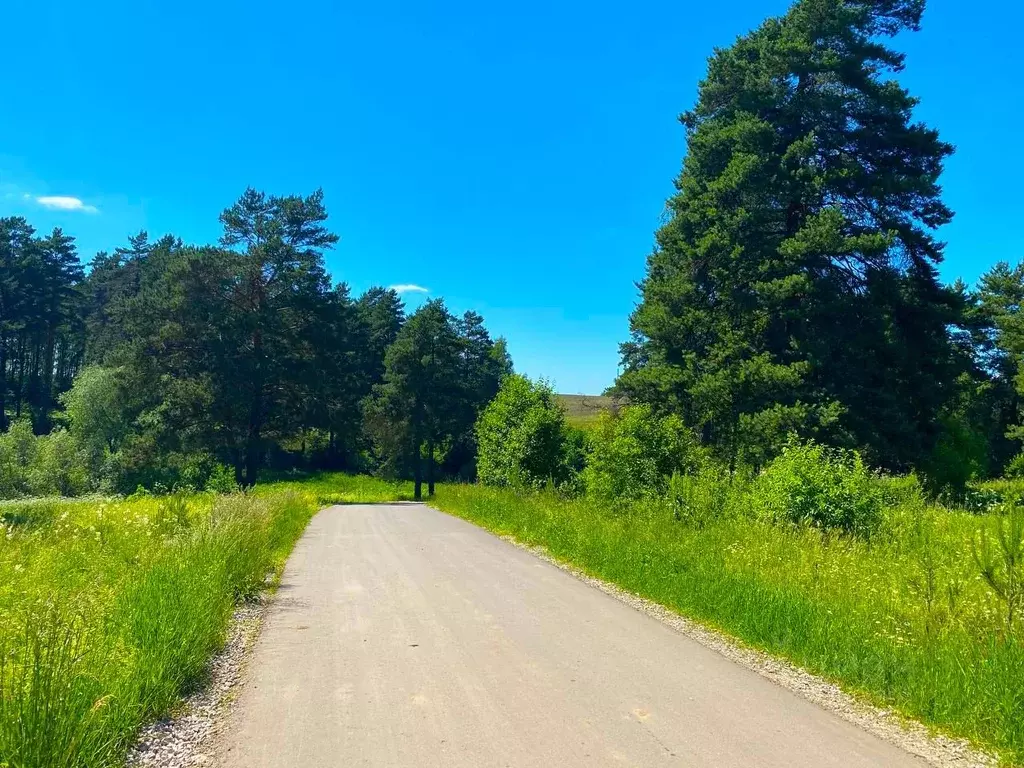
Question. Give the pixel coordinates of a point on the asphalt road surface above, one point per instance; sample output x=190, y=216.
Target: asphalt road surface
x=403, y=637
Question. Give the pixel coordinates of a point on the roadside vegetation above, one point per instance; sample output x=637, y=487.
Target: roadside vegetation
x=851, y=575
x=172, y=366
x=815, y=445
x=110, y=608
x=859, y=576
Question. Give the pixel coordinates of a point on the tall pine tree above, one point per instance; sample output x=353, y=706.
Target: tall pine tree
x=794, y=286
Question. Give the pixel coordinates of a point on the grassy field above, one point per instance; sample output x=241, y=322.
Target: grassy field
x=583, y=411
x=110, y=609
x=905, y=618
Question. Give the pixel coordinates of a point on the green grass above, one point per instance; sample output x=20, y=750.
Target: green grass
x=110, y=609
x=339, y=488
x=903, y=619
x=583, y=411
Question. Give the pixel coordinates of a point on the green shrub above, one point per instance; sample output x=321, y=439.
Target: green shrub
x=1015, y=468
x=830, y=489
x=708, y=494
x=634, y=453
x=59, y=467
x=897, y=490
x=96, y=413
x=221, y=479
x=47, y=465
x=957, y=458
x=523, y=440
x=18, y=448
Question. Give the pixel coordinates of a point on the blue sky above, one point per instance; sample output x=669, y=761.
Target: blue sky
x=513, y=158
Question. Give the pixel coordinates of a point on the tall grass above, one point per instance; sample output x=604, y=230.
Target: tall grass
x=903, y=617
x=110, y=609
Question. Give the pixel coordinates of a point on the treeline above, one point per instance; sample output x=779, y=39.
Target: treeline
x=243, y=355
x=794, y=289
x=41, y=328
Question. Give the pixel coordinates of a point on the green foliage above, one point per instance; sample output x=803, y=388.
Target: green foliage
x=523, y=438
x=220, y=480
x=240, y=353
x=96, y=412
x=634, y=453
x=438, y=374
x=707, y=495
x=793, y=288
x=41, y=340
x=959, y=456
x=44, y=465
x=109, y=611
x=1002, y=565
x=1015, y=468
x=900, y=490
x=59, y=467
x=829, y=489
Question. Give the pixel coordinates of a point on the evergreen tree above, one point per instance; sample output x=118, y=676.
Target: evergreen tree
x=15, y=241
x=226, y=337
x=41, y=333
x=995, y=324
x=382, y=313
x=483, y=363
x=793, y=287
x=440, y=373
x=113, y=280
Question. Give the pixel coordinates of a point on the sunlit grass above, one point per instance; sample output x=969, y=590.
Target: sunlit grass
x=903, y=618
x=110, y=609
x=340, y=488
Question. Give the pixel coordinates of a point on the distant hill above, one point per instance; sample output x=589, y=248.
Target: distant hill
x=583, y=410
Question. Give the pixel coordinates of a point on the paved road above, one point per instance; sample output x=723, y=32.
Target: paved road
x=402, y=637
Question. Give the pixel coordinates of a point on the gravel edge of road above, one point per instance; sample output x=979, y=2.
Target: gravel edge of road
x=935, y=748
x=185, y=739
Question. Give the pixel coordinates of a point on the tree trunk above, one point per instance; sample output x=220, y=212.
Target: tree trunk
x=3, y=382
x=252, y=442
x=46, y=399
x=252, y=460
x=430, y=466
x=239, y=468
x=21, y=377
x=417, y=474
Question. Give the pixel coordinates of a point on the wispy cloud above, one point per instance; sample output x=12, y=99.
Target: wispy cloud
x=63, y=203
x=409, y=288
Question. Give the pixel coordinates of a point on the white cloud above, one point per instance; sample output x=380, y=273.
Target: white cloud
x=409, y=288
x=62, y=203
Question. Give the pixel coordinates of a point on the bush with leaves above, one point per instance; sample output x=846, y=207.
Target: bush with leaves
x=827, y=488
x=634, y=453
x=96, y=413
x=45, y=465
x=59, y=467
x=523, y=438
x=17, y=452
x=1015, y=467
